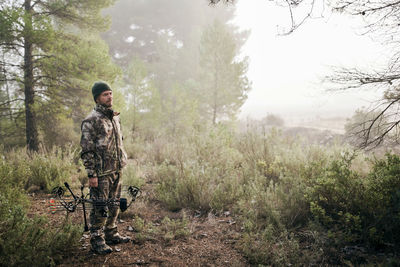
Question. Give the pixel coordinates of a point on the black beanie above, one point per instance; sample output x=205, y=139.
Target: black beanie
x=98, y=88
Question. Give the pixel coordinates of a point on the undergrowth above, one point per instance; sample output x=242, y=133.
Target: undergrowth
x=39, y=171
x=297, y=203
x=26, y=241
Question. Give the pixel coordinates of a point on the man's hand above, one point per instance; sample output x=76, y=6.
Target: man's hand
x=93, y=182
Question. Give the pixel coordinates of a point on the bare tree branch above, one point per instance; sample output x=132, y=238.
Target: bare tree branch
x=11, y=101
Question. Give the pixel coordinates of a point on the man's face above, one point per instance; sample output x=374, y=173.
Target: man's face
x=105, y=99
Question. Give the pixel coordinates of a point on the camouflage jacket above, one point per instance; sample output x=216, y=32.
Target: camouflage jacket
x=101, y=142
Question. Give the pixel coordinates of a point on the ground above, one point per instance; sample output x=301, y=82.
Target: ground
x=160, y=237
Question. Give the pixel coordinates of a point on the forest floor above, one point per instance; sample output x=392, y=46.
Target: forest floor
x=185, y=239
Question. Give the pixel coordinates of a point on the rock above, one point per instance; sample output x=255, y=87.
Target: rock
x=130, y=228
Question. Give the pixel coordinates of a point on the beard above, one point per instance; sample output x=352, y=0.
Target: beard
x=107, y=104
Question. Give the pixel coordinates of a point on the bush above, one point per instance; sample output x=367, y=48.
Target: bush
x=297, y=203
x=381, y=216
x=174, y=229
x=203, y=174
x=132, y=176
x=336, y=198
x=355, y=208
x=40, y=171
x=28, y=241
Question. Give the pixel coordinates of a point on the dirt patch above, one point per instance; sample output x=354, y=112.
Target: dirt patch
x=206, y=240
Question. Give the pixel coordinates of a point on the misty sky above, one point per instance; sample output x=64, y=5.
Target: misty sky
x=286, y=71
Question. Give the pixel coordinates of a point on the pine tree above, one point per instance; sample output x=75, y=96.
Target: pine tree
x=137, y=92
x=51, y=56
x=223, y=76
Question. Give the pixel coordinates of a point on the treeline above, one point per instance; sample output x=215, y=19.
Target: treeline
x=172, y=66
x=180, y=64
x=50, y=55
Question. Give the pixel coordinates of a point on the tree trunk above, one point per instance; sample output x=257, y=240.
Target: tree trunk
x=214, y=119
x=7, y=90
x=215, y=104
x=32, y=138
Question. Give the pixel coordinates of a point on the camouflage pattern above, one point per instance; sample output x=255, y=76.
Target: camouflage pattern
x=103, y=157
x=99, y=246
x=101, y=142
x=108, y=187
x=113, y=237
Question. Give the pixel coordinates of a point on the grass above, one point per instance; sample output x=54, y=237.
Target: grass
x=296, y=202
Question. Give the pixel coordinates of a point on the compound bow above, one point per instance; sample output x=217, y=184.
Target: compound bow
x=71, y=205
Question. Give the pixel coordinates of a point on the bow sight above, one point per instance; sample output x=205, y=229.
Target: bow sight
x=71, y=205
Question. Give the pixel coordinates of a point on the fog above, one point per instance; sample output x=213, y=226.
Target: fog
x=234, y=142
x=179, y=64
x=287, y=71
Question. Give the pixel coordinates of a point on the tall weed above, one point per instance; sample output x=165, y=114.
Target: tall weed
x=40, y=171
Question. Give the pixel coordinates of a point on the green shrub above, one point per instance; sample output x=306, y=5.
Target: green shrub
x=336, y=198
x=174, y=229
x=144, y=231
x=358, y=208
x=381, y=218
x=132, y=176
x=181, y=188
x=28, y=241
x=40, y=171
x=203, y=174
x=269, y=213
x=15, y=168
x=297, y=203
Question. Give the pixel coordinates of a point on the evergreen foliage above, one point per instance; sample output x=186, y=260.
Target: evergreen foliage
x=49, y=60
x=138, y=25
x=163, y=55
x=224, y=84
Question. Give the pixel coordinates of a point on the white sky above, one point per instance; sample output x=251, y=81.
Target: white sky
x=286, y=71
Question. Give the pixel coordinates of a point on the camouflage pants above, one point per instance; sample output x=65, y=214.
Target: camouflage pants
x=108, y=187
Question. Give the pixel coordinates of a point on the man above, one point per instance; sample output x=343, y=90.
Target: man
x=103, y=157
